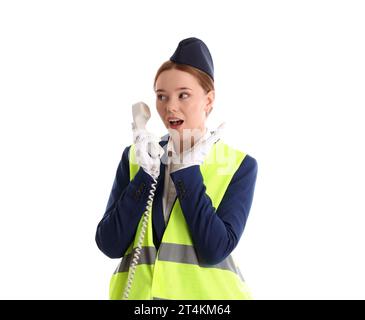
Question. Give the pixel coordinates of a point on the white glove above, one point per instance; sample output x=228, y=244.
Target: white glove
x=148, y=151
x=197, y=154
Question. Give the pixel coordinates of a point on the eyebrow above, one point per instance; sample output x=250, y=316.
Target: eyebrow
x=182, y=88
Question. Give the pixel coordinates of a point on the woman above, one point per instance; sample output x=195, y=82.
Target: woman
x=201, y=201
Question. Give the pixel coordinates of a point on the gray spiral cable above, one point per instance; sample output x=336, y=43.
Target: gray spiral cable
x=137, y=252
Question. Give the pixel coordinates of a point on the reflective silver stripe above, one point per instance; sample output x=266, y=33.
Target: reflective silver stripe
x=148, y=256
x=186, y=254
x=157, y=298
x=175, y=253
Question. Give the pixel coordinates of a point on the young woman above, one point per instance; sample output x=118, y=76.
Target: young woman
x=203, y=191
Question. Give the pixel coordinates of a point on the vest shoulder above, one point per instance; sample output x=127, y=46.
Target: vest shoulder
x=249, y=160
x=230, y=146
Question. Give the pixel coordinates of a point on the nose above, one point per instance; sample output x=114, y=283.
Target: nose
x=172, y=107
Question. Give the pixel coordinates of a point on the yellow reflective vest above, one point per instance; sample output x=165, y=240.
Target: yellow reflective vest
x=174, y=270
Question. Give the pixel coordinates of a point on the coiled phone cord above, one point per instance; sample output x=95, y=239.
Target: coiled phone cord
x=137, y=252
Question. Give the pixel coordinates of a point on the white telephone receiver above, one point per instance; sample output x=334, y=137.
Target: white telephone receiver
x=141, y=114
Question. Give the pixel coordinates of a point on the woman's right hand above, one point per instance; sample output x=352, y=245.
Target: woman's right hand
x=148, y=151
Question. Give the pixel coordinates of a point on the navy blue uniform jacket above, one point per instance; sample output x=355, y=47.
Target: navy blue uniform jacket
x=215, y=231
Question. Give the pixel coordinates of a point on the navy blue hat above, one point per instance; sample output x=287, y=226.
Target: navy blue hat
x=194, y=52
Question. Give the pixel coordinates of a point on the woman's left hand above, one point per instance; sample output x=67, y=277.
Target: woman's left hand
x=197, y=154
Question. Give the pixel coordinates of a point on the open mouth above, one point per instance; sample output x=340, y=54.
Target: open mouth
x=175, y=123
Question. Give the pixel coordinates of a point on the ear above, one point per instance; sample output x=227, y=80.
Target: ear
x=209, y=101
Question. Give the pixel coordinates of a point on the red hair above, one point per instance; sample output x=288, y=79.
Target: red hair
x=205, y=81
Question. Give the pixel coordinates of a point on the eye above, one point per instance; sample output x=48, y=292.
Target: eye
x=184, y=94
x=161, y=97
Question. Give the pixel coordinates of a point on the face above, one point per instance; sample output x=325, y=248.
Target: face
x=179, y=96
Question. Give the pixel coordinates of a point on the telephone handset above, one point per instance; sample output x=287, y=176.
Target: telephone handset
x=141, y=114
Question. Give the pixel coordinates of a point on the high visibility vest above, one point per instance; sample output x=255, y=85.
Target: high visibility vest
x=174, y=270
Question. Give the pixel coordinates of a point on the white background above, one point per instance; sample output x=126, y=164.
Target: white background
x=290, y=80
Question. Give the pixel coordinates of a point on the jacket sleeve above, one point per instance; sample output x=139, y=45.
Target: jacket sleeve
x=124, y=209
x=216, y=232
